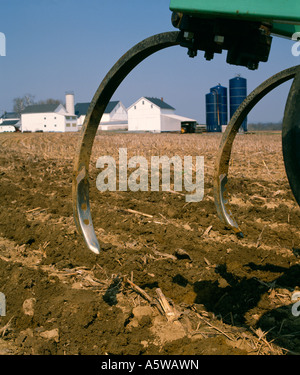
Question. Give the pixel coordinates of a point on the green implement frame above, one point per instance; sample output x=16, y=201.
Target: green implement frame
x=282, y=15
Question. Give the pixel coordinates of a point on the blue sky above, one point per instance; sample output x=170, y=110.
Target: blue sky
x=53, y=46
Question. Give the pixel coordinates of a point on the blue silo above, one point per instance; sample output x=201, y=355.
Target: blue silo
x=237, y=94
x=212, y=113
x=216, y=108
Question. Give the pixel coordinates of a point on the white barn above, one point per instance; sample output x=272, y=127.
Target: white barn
x=154, y=115
x=7, y=128
x=114, y=117
x=48, y=118
x=9, y=122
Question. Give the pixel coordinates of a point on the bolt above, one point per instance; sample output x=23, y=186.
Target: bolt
x=192, y=52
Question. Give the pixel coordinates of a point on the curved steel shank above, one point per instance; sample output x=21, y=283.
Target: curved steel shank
x=80, y=187
x=291, y=138
x=289, y=130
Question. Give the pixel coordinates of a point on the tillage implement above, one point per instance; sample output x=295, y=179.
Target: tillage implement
x=243, y=28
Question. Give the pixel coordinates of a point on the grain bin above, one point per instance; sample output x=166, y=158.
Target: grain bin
x=212, y=113
x=237, y=94
x=216, y=108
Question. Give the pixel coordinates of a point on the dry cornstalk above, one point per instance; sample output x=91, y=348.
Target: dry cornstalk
x=92, y=280
x=216, y=328
x=270, y=174
x=175, y=192
x=144, y=294
x=165, y=255
x=260, y=237
x=261, y=336
x=34, y=209
x=4, y=258
x=139, y=290
x=136, y=212
x=46, y=244
x=207, y=231
x=4, y=328
x=168, y=310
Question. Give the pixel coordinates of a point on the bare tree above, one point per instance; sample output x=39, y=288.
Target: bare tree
x=28, y=100
x=18, y=106
x=50, y=101
x=21, y=103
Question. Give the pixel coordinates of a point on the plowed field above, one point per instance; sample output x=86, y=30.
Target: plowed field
x=226, y=295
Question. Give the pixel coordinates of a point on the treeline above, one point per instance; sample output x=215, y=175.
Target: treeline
x=19, y=104
x=266, y=126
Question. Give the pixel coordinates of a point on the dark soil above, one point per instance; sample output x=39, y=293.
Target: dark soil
x=232, y=296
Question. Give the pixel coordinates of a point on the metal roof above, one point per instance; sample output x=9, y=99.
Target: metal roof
x=160, y=103
x=40, y=108
x=82, y=108
x=10, y=115
x=9, y=123
x=181, y=118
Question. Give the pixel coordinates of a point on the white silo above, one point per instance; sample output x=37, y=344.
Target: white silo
x=70, y=102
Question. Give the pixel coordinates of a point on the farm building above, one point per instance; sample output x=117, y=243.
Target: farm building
x=48, y=118
x=155, y=115
x=6, y=128
x=114, y=117
x=9, y=122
